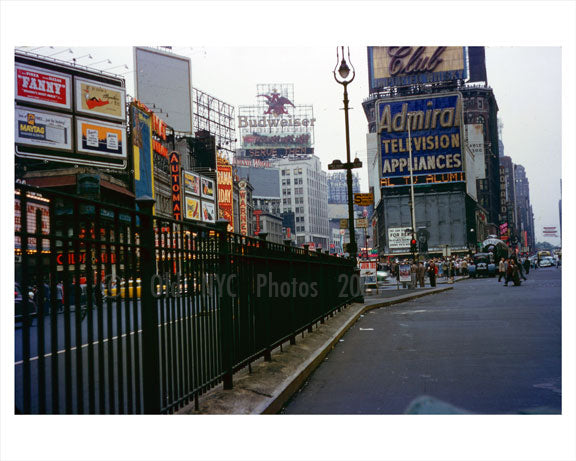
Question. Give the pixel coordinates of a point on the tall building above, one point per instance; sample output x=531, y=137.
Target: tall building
x=338, y=186
x=525, y=223
x=420, y=105
x=304, y=190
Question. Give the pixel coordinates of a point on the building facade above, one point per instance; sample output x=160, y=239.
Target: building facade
x=304, y=191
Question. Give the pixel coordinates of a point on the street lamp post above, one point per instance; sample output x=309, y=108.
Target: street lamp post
x=343, y=76
x=412, y=205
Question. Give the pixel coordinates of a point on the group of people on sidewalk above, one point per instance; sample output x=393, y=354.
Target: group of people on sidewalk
x=433, y=269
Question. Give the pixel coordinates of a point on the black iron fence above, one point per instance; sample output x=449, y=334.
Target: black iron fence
x=119, y=311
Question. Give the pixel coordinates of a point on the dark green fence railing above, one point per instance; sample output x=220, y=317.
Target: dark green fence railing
x=119, y=311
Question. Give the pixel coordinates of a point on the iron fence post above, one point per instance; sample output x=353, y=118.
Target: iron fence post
x=226, y=321
x=150, y=344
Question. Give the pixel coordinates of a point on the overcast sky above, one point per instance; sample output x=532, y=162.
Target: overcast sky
x=527, y=84
x=233, y=47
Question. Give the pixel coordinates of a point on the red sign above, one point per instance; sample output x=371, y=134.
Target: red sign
x=257, y=213
x=81, y=258
x=243, y=210
x=175, y=174
x=42, y=86
x=225, y=202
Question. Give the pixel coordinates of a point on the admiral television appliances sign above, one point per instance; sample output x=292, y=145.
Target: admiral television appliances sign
x=435, y=139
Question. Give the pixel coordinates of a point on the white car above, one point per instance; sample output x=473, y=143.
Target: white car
x=547, y=261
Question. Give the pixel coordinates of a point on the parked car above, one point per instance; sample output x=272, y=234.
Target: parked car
x=19, y=305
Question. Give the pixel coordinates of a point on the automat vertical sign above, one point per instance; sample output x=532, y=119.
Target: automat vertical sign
x=175, y=175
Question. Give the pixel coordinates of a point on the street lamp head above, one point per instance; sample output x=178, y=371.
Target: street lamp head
x=343, y=63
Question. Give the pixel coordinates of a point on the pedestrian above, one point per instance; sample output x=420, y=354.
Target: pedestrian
x=502, y=269
x=432, y=271
x=46, y=298
x=413, y=274
x=519, y=268
x=59, y=296
x=421, y=274
x=444, y=269
x=527, y=265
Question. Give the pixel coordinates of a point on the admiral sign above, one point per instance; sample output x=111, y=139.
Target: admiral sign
x=435, y=139
x=390, y=66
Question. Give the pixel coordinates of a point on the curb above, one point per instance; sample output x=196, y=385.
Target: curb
x=291, y=385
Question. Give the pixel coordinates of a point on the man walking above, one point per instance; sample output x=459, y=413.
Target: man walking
x=421, y=272
x=501, y=269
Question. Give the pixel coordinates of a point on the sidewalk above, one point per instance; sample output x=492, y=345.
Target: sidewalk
x=271, y=384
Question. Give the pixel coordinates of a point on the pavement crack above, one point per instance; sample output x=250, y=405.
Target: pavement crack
x=259, y=392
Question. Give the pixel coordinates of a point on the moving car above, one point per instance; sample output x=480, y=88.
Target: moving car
x=482, y=265
x=547, y=261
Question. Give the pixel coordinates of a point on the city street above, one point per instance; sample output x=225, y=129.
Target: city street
x=482, y=348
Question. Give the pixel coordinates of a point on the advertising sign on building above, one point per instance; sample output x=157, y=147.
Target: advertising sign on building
x=208, y=212
x=225, y=185
x=410, y=65
x=176, y=188
x=100, y=138
x=142, y=153
x=95, y=98
x=207, y=187
x=475, y=163
x=434, y=139
x=192, y=208
x=191, y=183
x=32, y=207
x=43, y=129
x=399, y=237
x=43, y=86
x=276, y=127
x=243, y=205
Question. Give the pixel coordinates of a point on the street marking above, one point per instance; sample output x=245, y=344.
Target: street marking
x=366, y=329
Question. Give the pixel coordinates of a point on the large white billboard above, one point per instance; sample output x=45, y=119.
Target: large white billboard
x=163, y=82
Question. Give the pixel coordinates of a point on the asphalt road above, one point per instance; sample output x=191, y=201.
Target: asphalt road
x=481, y=348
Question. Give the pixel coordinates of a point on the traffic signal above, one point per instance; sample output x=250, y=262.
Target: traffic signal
x=413, y=247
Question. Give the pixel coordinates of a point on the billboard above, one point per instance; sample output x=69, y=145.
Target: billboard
x=192, y=208
x=428, y=126
x=42, y=86
x=142, y=152
x=207, y=188
x=475, y=163
x=390, y=66
x=33, y=205
x=43, y=129
x=399, y=237
x=163, y=79
x=69, y=114
x=100, y=138
x=208, y=212
x=225, y=189
x=276, y=126
x=191, y=183
x=99, y=99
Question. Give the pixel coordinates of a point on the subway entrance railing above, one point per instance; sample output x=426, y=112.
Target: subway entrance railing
x=120, y=311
